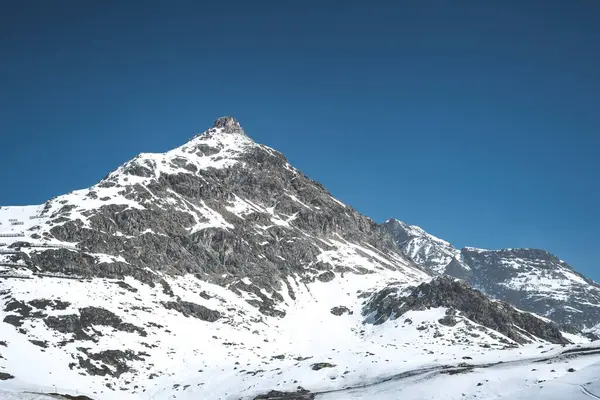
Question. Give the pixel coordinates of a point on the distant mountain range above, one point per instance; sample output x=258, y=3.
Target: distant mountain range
x=530, y=279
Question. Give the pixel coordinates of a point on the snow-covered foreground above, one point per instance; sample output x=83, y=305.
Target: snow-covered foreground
x=558, y=378
x=6, y=395
x=245, y=354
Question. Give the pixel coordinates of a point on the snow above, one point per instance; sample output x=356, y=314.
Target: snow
x=228, y=147
x=21, y=214
x=338, y=202
x=518, y=380
x=291, y=196
x=359, y=258
x=362, y=353
x=557, y=282
x=6, y=395
x=107, y=259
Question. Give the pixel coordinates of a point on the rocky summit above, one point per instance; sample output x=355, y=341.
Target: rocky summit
x=217, y=270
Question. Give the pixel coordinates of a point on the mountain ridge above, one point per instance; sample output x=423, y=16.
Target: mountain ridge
x=524, y=277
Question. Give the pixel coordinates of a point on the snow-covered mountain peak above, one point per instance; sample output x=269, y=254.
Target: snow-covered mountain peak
x=475, y=249
x=415, y=231
x=422, y=247
x=222, y=146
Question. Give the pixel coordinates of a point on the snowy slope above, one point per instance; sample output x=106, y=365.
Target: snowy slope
x=531, y=377
x=422, y=247
x=244, y=353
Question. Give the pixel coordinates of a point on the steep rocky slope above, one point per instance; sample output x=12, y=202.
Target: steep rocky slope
x=530, y=279
x=217, y=270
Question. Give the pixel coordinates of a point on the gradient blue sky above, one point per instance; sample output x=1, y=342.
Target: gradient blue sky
x=477, y=120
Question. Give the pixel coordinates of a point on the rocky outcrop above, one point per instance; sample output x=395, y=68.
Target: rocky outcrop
x=340, y=310
x=228, y=125
x=79, y=325
x=4, y=376
x=300, y=394
x=193, y=310
x=112, y=362
x=456, y=295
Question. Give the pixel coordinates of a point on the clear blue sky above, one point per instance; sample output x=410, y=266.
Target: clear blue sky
x=477, y=120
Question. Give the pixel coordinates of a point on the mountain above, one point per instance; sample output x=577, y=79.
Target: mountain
x=421, y=247
x=217, y=270
x=530, y=279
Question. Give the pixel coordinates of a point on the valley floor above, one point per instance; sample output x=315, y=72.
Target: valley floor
x=574, y=377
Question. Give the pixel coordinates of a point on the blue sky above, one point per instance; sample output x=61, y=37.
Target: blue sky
x=478, y=121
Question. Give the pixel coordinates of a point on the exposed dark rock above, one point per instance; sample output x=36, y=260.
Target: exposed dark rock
x=472, y=304
x=5, y=376
x=65, y=324
x=41, y=343
x=19, y=307
x=22, y=310
x=205, y=295
x=13, y=320
x=448, y=320
x=126, y=286
x=52, y=304
x=89, y=316
x=117, y=359
x=340, y=310
x=321, y=365
x=326, y=276
x=228, y=124
x=193, y=310
x=98, y=316
x=166, y=288
x=70, y=397
x=301, y=394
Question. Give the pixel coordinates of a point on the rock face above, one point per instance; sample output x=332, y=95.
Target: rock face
x=461, y=300
x=530, y=279
x=228, y=125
